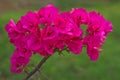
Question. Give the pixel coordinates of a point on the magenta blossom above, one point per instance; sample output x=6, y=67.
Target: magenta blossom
x=80, y=16
x=47, y=14
x=47, y=31
x=29, y=21
x=19, y=60
x=97, y=30
x=12, y=30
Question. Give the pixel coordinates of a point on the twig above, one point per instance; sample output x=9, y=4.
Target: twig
x=37, y=67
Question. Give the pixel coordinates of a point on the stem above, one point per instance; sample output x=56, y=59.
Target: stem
x=37, y=67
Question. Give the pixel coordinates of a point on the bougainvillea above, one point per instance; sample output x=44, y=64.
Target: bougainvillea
x=48, y=30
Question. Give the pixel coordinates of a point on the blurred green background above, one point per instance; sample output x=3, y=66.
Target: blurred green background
x=68, y=66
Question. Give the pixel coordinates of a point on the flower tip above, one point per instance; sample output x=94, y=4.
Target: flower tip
x=73, y=9
x=94, y=58
x=99, y=49
x=50, y=5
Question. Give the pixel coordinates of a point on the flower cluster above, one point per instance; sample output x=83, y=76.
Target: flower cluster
x=47, y=30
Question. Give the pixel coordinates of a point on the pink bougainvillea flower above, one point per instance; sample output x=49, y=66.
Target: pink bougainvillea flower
x=75, y=45
x=70, y=32
x=29, y=21
x=62, y=22
x=49, y=35
x=93, y=43
x=47, y=14
x=12, y=30
x=10, y=25
x=46, y=31
x=66, y=25
x=19, y=60
x=97, y=23
x=98, y=28
x=33, y=42
x=80, y=16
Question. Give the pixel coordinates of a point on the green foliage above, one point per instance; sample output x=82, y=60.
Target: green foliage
x=69, y=66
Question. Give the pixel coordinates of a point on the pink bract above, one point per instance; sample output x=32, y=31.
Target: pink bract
x=19, y=60
x=47, y=14
x=80, y=15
